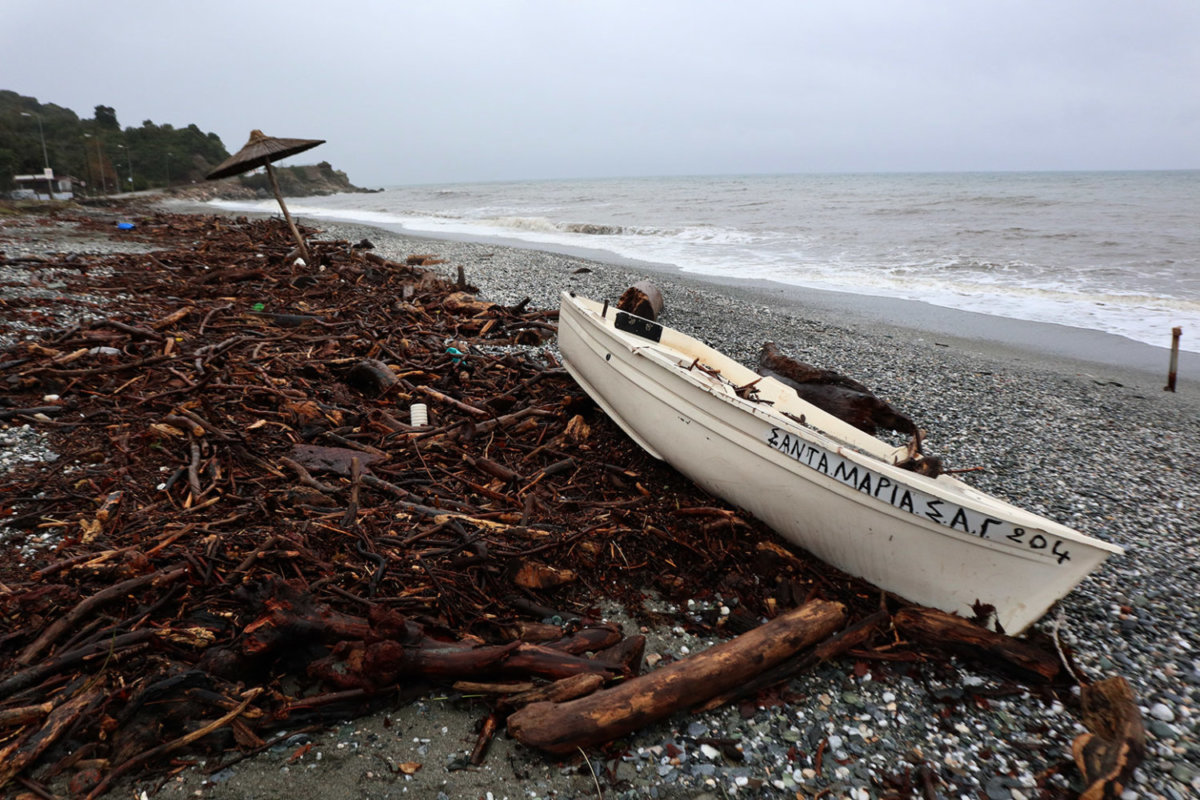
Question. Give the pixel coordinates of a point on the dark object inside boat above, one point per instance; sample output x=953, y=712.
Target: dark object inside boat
x=848, y=400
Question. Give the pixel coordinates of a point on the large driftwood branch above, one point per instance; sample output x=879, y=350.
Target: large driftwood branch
x=844, y=397
x=606, y=715
x=940, y=629
x=831, y=648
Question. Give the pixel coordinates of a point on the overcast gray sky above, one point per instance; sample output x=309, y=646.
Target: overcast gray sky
x=442, y=91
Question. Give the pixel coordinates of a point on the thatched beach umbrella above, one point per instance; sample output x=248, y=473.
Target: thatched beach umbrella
x=259, y=151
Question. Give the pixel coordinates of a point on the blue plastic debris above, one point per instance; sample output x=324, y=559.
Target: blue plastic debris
x=125, y=226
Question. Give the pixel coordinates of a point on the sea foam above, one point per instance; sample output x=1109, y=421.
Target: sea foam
x=1115, y=252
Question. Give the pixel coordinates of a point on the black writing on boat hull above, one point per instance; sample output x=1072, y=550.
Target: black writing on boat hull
x=887, y=490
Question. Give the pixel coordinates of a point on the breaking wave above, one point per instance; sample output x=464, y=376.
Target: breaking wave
x=1111, y=251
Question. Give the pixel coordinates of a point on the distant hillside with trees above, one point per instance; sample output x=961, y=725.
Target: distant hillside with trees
x=113, y=159
x=98, y=150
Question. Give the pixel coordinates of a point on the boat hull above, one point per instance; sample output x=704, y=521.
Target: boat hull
x=936, y=542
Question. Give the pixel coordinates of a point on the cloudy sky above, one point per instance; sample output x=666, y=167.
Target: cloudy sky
x=464, y=90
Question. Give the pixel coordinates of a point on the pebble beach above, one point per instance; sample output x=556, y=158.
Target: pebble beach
x=1098, y=446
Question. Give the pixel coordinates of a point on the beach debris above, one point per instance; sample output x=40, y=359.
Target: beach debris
x=246, y=532
x=922, y=464
x=960, y=636
x=259, y=151
x=607, y=714
x=1115, y=743
x=643, y=299
x=853, y=636
x=844, y=397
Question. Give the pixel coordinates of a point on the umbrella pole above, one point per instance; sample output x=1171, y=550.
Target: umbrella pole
x=295, y=231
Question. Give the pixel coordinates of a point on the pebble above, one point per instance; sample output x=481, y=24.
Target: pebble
x=1161, y=711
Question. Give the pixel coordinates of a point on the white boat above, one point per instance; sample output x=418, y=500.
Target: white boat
x=816, y=480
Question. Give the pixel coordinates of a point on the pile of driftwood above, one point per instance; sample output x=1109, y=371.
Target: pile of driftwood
x=290, y=494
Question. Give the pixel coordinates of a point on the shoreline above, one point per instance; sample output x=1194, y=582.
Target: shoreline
x=1054, y=346
x=1040, y=342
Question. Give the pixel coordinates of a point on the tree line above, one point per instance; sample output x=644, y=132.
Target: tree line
x=98, y=151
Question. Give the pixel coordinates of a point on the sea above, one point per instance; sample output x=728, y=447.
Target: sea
x=1117, y=252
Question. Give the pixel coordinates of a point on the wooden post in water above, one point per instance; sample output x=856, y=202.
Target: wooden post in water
x=1176, y=332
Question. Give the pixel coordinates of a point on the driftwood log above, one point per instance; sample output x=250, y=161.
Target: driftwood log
x=384, y=648
x=833, y=647
x=611, y=713
x=844, y=397
x=949, y=632
x=1116, y=740
x=643, y=299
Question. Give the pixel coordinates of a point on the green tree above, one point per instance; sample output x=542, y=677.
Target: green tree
x=8, y=167
x=106, y=118
x=98, y=150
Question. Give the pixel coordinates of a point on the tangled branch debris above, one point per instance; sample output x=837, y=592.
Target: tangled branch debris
x=246, y=531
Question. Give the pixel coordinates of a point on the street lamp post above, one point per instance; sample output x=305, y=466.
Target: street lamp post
x=45, y=152
x=129, y=163
x=99, y=163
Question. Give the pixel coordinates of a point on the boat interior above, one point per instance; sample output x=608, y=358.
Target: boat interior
x=736, y=380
